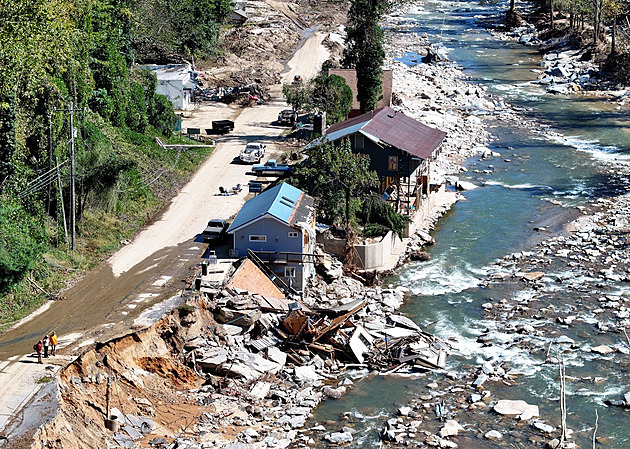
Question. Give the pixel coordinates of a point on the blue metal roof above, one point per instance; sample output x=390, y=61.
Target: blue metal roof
x=279, y=201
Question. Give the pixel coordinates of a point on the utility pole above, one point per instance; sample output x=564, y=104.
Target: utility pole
x=71, y=109
x=73, y=210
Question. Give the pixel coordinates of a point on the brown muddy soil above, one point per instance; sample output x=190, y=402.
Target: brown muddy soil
x=256, y=53
x=147, y=378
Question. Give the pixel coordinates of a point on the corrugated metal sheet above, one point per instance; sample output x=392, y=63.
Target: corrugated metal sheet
x=264, y=342
x=395, y=129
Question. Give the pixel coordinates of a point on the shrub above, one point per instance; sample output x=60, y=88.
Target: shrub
x=21, y=243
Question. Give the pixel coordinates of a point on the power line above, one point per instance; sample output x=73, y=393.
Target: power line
x=42, y=180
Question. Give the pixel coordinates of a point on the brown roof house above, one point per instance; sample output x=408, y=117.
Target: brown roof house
x=350, y=75
x=400, y=150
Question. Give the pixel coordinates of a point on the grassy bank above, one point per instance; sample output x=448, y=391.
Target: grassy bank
x=109, y=217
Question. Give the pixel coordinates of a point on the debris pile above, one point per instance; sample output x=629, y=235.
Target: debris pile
x=231, y=94
x=273, y=331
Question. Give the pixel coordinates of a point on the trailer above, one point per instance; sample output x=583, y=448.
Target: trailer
x=220, y=127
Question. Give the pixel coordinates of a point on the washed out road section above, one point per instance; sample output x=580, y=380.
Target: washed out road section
x=105, y=302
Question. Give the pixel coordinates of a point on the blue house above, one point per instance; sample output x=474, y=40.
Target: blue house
x=279, y=226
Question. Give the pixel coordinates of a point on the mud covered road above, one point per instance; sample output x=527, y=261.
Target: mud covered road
x=155, y=264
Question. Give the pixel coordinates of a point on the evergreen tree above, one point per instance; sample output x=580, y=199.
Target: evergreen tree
x=364, y=50
x=333, y=95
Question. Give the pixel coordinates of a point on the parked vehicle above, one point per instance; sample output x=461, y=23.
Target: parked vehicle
x=287, y=117
x=271, y=168
x=220, y=127
x=216, y=230
x=252, y=153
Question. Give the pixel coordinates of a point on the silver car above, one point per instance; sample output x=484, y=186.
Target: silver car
x=252, y=153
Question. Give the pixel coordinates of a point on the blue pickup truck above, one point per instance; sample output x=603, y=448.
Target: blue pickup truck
x=271, y=168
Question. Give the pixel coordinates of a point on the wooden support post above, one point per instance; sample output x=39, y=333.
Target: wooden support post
x=108, y=396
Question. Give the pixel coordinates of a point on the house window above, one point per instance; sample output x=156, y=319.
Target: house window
x=358, y=142
x=393, y=163
x=289, y=272
x=294, y=234
x=257, y=238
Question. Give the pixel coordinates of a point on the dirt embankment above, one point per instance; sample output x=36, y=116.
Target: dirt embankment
x=148, y=382
x=256, y=52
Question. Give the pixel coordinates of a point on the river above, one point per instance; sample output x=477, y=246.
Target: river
x=566, y=161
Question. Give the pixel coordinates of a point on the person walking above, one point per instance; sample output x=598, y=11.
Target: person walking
x=53, y=343
x=39, y=346
x=46, y=346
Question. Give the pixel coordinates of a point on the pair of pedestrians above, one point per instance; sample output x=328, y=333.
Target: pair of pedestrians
x=47, y=345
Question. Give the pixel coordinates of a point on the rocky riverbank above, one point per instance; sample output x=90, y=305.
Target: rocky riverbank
x=587, y=261
x=568, y=66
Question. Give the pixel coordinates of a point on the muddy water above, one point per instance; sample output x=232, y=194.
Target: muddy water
x=100, y=305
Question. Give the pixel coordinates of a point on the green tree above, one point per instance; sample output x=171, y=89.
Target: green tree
x=7, y=136
x=338, y=178
x=298, y=95
x=330, y=93
x=184, y=27
x=21, y=243
x=379, y=217
x=364, y=50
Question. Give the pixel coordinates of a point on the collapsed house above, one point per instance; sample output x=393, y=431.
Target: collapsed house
x=266, y=330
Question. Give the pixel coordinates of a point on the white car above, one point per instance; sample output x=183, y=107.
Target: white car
x=252, y=153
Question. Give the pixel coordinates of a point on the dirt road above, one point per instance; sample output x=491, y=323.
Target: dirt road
x=150, y=269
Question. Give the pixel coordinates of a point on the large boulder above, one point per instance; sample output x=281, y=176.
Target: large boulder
x=451, y=428
x=520, y=409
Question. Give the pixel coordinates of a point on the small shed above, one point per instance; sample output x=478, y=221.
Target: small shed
x=278, y=226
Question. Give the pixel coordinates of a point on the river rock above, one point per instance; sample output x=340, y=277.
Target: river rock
x=520, y=409
x=487, y=368
x=465, y=185
x=546, y=428
x=493, y=435
x=553, y=444
x=420, y=256
x=480, y=380
x=339, y=438
x=534, y=276
x=334, y=393
x=451, y=428
x=602, y=349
